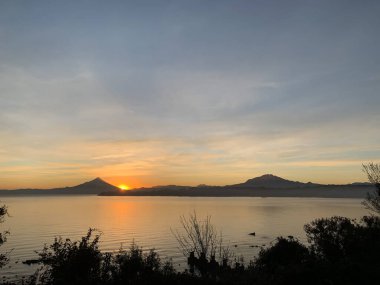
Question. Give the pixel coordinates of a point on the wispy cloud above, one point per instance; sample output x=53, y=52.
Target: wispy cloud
x=189, y=92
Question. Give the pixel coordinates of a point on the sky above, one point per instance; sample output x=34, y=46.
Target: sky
x=187, y=92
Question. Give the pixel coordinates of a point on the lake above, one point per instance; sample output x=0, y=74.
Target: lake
x=36, y=220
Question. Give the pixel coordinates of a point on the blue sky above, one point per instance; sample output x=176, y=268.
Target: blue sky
x=187, y=92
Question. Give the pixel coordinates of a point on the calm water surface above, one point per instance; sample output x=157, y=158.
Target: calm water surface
x=36, y=220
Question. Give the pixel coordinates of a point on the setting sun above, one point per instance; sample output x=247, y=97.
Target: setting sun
x=123, y=187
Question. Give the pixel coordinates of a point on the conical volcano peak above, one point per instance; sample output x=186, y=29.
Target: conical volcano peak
x=98, y=179
x=97, y=183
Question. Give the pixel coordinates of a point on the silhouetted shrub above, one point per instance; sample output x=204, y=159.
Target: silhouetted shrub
x=340, y=238
x=68, y=262
x=331, y=238
x=340, y=251
x=81, y=262
x=287, y=261
x=133, y=266
x=347, y=251
x=285, y=252
x=3, y=236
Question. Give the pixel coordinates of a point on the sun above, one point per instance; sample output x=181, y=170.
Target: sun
x=123, y=187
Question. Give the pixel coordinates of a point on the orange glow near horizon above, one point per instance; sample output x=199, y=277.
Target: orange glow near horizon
x=129, y=181
x=124, y=187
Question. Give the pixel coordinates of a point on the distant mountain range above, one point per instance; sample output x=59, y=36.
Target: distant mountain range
x=95, y=186
x=267, y=185
x=272, y=181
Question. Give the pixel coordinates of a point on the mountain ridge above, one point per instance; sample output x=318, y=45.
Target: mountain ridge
x=267, y=185
x=95, y=186
x=273, y=181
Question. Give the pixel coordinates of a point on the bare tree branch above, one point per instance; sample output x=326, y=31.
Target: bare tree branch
x=372, y=202
x=201, y=237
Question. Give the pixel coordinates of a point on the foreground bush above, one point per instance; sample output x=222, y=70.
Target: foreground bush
x=340, y=251
x=79, y=262
x=3, y=236
x=287, y=261
x=346, y=251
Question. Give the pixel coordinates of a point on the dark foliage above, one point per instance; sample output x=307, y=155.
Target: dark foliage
x=3, y=236
x=81, y=262
x=346, y=251
x=340, y=251
x=68, y=262
x=331, y=238
x=286, y=262
x=135, y=267
x=285, y=252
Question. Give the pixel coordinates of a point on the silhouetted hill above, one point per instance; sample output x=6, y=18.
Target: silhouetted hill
x=95, y=186
x=267, y=185
x=272, y=181
x=264, y=186
x=361, y=184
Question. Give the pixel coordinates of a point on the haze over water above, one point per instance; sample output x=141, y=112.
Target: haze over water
x=149, y=220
